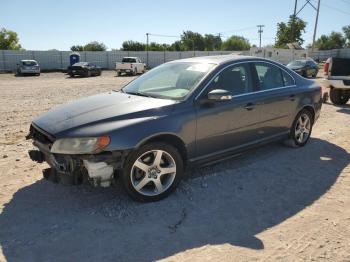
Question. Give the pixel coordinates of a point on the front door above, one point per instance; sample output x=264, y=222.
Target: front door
x=224, y=125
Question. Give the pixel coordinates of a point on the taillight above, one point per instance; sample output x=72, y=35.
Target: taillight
x=326, y=68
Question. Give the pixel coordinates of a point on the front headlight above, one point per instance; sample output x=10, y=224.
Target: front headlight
x=84, y=145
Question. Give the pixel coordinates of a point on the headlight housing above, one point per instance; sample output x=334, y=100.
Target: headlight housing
x=83, y=145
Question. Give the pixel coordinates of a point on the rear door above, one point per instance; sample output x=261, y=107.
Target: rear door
x=228, y=124
x=276, y=99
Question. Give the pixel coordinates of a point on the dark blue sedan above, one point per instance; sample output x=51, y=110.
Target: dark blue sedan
x=183, y=113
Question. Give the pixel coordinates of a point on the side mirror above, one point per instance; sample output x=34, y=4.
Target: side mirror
x=219, y=95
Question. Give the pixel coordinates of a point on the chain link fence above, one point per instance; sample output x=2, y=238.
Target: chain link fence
x=59, y=60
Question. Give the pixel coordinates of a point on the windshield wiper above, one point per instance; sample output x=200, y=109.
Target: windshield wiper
x=139, y=94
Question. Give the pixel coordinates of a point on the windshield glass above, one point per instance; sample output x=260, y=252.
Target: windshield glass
x=29, y=63
x=129, y=60
x=172, y=80
x=297, y=63
x=81, y=64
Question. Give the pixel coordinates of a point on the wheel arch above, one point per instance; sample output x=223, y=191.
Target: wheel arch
x=310, y=109
x=170, y=139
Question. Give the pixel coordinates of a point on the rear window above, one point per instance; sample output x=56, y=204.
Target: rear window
x=29, y=63
x=129, y=60
x=270, y=76
x=340, y=67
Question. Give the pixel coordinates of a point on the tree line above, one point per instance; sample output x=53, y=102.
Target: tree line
x=287, y=32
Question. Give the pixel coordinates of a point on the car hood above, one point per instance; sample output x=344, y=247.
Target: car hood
x=101, y=109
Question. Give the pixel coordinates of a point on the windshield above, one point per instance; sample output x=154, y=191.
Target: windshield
x=29, y=63
x=297, y=63
x=81, y=64
x=128, y=60
x=171, y=80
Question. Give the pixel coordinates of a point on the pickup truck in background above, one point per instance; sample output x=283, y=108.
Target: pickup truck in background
x=337, y=79
x=130, y=65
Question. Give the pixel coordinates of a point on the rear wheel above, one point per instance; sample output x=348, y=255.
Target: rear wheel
x=134, y=73
x=152, y=172
x=339, y=97
x=301, y=129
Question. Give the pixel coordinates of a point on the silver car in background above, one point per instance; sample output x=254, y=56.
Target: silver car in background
x=28, y=67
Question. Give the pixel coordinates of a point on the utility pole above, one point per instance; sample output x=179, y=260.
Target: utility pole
x=260, y=32
x=293, y=21
x=313, y=39
x=147, y=35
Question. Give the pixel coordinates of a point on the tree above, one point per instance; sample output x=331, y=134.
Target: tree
x=346, y=30
x=236, y=43
x=333, y=41
x=212, y=42
x=77, y=48
x=192, y=41
x=9, y=40
x=177, y=46
x=133, y=46
x=95, y=46
x=284, y=32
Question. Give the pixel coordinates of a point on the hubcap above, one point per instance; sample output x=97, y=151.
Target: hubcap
x=302, y=128
x=153, y=172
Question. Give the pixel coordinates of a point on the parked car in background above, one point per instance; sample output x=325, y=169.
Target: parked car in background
x=337, y=79
x=28, y=67
x=304, y=67
x=180, y=114
x=130, y=65
x=84, y=69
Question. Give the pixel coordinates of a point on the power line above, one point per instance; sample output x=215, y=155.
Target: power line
x=335, y=9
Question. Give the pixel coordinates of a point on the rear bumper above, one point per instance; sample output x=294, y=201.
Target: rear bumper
x=125, y=70
x=334, y=83
x=29, y=71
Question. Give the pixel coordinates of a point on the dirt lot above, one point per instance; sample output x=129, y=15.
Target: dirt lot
x=273, y=203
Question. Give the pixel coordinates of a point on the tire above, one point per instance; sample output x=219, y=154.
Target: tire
x=301, y=129
x=339, y=97
x=143, y=171
x=135, y=72
x=87, y=73
x=71, y=75
x=119, y=74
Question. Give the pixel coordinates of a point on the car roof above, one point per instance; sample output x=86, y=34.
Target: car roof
x=220, y=59
x=28, y=60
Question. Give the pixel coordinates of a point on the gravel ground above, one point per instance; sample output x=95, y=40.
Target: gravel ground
x=272, y=203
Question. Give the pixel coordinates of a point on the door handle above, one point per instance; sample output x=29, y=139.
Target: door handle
x=249, y=106
x=292, y=97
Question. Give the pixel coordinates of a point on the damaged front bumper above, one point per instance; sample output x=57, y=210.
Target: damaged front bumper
x=95, y=169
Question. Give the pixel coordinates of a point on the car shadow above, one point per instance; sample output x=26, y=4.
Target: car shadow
x=226, y=203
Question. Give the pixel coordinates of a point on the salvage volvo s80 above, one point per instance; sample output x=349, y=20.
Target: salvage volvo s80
x=182, y=113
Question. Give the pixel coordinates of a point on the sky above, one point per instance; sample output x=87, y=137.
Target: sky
x=59, y=24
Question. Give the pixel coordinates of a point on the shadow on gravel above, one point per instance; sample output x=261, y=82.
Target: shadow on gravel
x=230, y=202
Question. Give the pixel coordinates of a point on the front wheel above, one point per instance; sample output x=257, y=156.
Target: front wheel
x=301, y=129
x=152, y=172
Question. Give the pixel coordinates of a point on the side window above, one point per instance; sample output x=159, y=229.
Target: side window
x=235, y=79
x=287, y=79
x=270, y=76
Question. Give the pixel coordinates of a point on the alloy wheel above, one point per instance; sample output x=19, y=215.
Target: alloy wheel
x=153, y=172
x=302, y=128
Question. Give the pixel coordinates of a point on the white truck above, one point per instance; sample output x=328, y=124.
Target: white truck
x=130, y=65
x=337, y=79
